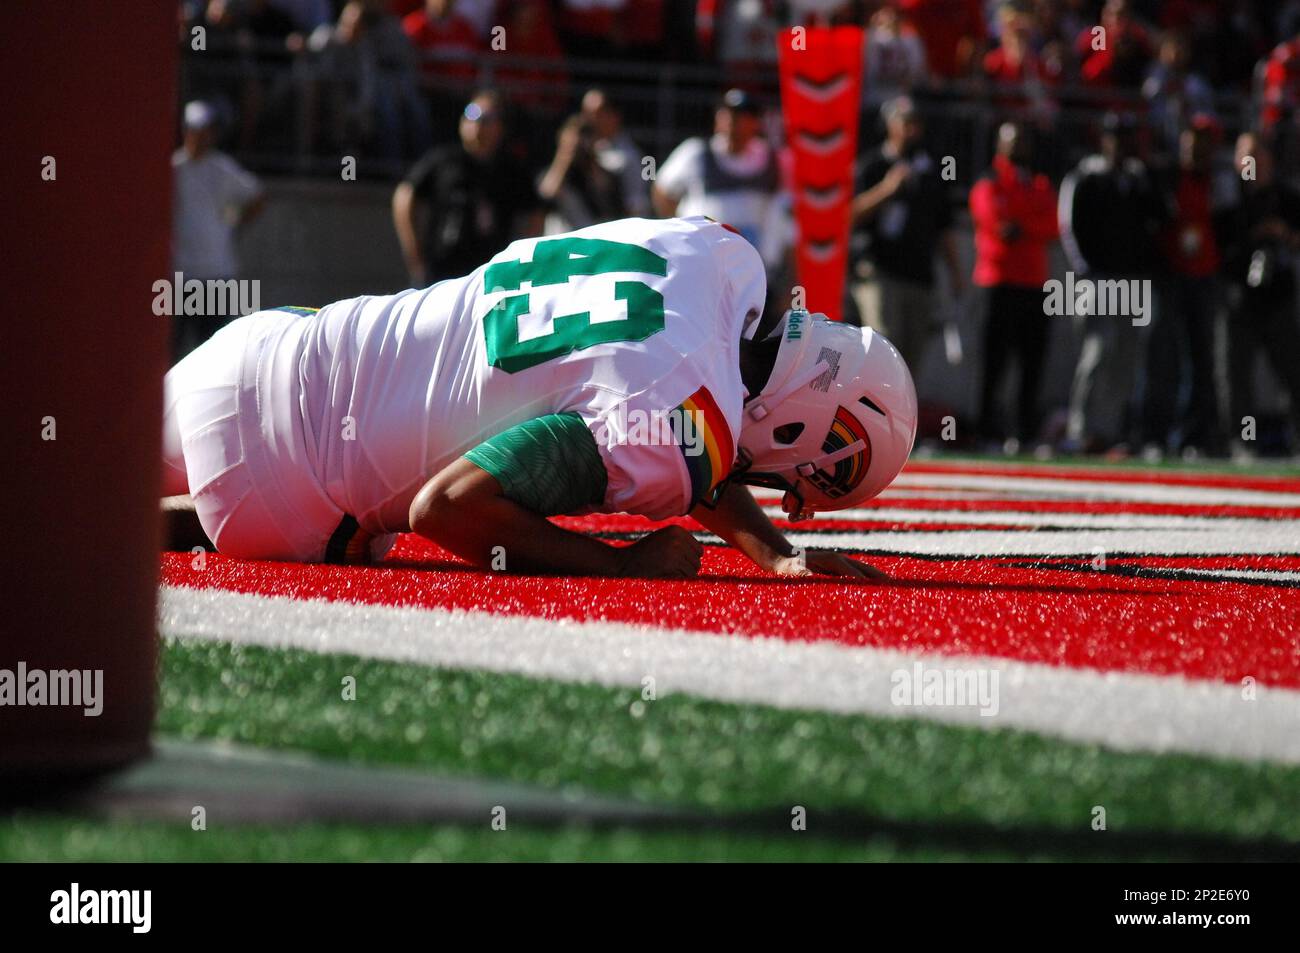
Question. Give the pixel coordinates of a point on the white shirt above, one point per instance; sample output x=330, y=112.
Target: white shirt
x=751, y=211
x=377, y=394
x=210, y=193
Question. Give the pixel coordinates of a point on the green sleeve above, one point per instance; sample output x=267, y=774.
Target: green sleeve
x=549, y=464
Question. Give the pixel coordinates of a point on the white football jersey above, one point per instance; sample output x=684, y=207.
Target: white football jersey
x=622, y=323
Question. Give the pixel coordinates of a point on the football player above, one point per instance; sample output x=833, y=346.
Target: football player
x=611, y=369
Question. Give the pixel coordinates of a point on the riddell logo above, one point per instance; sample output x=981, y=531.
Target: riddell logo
x=76, y=906
x=794, y=327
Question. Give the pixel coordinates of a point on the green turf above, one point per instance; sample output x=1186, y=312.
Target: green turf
x=688, y=751
x=676, y=750
x=52, y=838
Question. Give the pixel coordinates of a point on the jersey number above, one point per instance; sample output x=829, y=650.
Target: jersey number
x=554, y=263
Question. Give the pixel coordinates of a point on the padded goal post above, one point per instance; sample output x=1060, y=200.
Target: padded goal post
x=821, y=82
x=89, y=126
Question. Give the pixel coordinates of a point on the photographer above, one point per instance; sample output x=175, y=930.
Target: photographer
x=577, y=189
x=902, y=222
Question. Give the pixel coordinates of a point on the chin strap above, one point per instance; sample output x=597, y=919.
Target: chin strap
x=763, y=406
x=770, y=481
x=830, y=459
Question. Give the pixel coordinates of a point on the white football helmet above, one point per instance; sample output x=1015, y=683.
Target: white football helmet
x=836, y=420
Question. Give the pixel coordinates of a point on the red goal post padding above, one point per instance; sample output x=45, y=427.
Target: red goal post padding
x=89, y=126
x=821, y=83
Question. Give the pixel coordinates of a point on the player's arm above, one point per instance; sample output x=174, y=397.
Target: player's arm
x=492, y=504
x=740, y=521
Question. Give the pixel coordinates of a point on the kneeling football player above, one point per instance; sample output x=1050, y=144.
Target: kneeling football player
x=612, y=369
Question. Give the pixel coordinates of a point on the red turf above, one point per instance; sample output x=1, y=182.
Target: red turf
x=1010, y=607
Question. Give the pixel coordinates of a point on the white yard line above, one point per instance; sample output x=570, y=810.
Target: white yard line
x=1065, y=520
x=1130, y=712
x=1020, y=486
x=1266, y=538
x=1266, y=575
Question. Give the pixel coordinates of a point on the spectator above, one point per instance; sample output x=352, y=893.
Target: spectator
x=578, y=189
x=446, y=44
x=540, y=88
x=235, y=83
x=1059, y=23
x=746, y=39
x=644, y=29
x=609, y=29
x=272, y=41
x=480, y=13
x=952, y=31
x=1202, y=23
x=1117, y=57
x=475, y=199
x=732, y=176
x=616, y=152
x=222, y=79
x=1279, y=117
x=1281, y=92
x=1173, y=92
x=369, y=75
x=1110, y=210
x=1188, y=306
x=895, y=57
x=1014, y=214
x=213, y=197
x=445, y=41
x=1015, y=63
x=1014, y=60
x=593, y=28
x=902, y=222
x=1260, y=257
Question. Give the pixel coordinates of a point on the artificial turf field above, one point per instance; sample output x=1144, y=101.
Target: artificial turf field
x=1141, y=625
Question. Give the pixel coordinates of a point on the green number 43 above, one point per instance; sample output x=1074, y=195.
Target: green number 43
x=554, y=262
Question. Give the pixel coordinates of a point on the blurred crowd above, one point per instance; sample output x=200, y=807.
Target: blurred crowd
x=1154, y=142
x=387, y=77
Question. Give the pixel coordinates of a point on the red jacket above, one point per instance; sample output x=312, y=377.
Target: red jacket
x=1011, y=195
x=1189, y=241
x=1281, y=83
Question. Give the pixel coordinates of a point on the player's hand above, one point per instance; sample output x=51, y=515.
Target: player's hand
x=668, y=553
x=826, y=563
